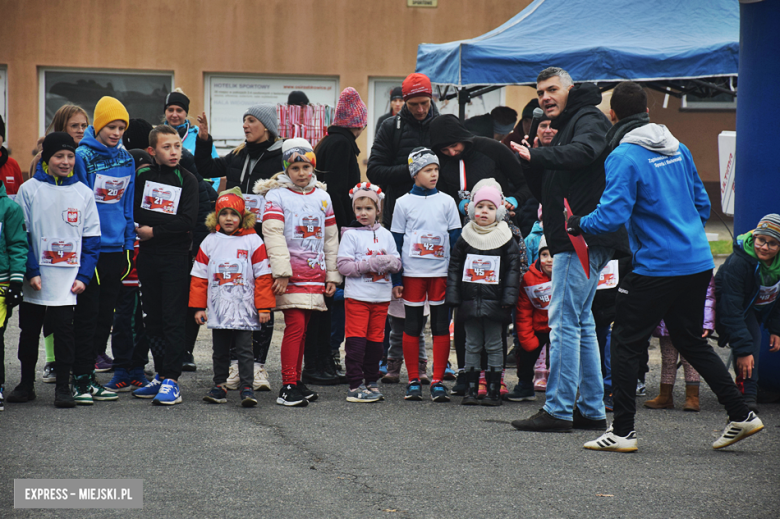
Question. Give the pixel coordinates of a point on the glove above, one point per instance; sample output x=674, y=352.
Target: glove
x=130, y=255
x=13, y=296
x=573, y=225
x=380, y=263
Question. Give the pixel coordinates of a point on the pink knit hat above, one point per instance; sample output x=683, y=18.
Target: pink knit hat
x=351, y=111
x=490, y=194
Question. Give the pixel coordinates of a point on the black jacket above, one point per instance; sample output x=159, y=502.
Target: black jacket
x=231, y=165
x=573, y=167
x=480, y=301
x=736, y=286
x=482, y=158
x=337, y=166
x=381, y=120
x=388, y=164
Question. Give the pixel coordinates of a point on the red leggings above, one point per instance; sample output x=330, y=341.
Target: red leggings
x=296, y=321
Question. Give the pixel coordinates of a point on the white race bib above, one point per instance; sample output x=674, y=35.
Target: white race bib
x=109, y=190
x=540, y=295
x=609, y=277
x=767, y=295
x=308, y=227
x=427, y=245
x=255, y=204
x=60, y=252
x=481, y=269
x=161, y=198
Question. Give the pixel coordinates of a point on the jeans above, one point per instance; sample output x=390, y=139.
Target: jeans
x=574, y=349
x=227, y=341
x=604, y=336
x=484, y=335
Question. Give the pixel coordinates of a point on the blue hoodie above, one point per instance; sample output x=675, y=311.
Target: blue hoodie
x=94, y=158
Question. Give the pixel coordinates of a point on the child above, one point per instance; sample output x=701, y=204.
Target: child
x=425, y=226
x=302, y=242
x=533, y=332
x=63, y=230
x=232, y=278
x=482, y=283
x=166, y=208
x=367, y=257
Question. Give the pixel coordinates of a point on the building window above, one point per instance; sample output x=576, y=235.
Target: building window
x=718, y=102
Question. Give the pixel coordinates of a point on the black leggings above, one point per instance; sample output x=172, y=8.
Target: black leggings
x=440, y=320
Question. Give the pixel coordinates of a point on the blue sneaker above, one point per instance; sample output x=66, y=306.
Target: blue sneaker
x=383, y=367
x=120, y=382
x=449, y=373
x=149, y=390
x=248, y=397
x=168, y=394
x=413, y=390
x=439, y=393
x=138, y=378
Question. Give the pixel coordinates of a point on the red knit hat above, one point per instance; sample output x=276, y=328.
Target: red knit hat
x=416, y=85
x=351, y=111
x=230, y=199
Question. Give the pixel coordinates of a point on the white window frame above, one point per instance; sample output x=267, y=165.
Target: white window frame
x=372, y=117
x=708, y=105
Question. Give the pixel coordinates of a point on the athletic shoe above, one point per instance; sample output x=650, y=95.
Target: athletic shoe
x=149, y=390
x=82, y=389
x=233, y=379
x=217, y=395
x=439, y=393
x=138, y=378
x=482, y=386
x=1, y=398
x=609, y=441
x=49, y=375
x=260, y=382
x=414, y=390
x=248, y=397
x=189, y=363
x=609, y=406
x=120, y=382
x=374, y=388
x=307, y=393
x=20, y=395
x=736, y=431
x=63, y=397
x=104, y=363
x=383, y=367
x=289, y=396
x=99, y=392
x=543, y=422
x=521, y=393
x=449, y=373
x=641, y=389
x=582, y=422
x=361, y=394
x=169, y=393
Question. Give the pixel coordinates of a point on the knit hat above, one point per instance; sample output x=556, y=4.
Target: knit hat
x=351, y=111
x=54, y=142
x=178, y=99
x=769, y=226
x=504, y=119
x=490, y=190
x=488, y=194
x=419, y=158
x=137, y=134
x=140, y=157
x=528, y=111
x=367, y=190
x=231, y=199
x=298, y=98
x=542, y=244
x=416, y=85
x=106, y=110
x=266, y=114
x=397, y=93
x=297, y=150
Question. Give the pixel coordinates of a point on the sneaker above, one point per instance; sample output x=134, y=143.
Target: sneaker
x=449, y=373
x=736, y=431
x=543, y=422
x=374, y=388
x=362, y=394
x=641, y=389
x=383, y=367
x=233, y=378
x=414, y=390
x=289, y=396
x=307, y=393
x=49, y=375
x=217, y=395
x=99, y=392
x=261, y=382
x=581, y=422
x=521, y=393
x=439, y=393
x=20, y=395
x=120, y=382
x=482, y=386
x=609, y=441
x=248, y=397
x=104, y=363
x=82, y=389
x=189, y=363
x=169, y=393
x=138, y=378
x=63, y=397
x=609, y=406
x=149, y=390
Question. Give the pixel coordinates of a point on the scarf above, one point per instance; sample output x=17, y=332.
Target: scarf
x=256, y=149
x=288, y=183
x=623, y=126
x=488, y=237
x=770, y=274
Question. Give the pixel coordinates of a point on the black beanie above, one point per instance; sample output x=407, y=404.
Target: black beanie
x=178, y=99
x=140, y=157
x=137, y=134
x=297, y=97
x=528, y=111
x=54, y=142
x=397, y=93
x=2, y=127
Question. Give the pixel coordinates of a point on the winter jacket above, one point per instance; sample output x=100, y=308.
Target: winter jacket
x=709, y=313
x=532, y=242
x=337, y=166
x=10, y=172
x=207, y=197
x=737, y=284
x=110, y=173
x=189, y=137
x=235, y=166
x=358, y=250
x=572, y=167
x=388, y=164
x=482, y=158
x=653, y=185
x=13, y=240
x=532, y=305
x=382, y=119
x=477, y=300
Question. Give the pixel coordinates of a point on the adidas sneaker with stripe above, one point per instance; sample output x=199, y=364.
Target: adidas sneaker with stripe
x=609, y=441
x=736, y=431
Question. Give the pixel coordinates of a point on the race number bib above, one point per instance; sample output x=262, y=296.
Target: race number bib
x=255, y=205
x=308, y=227
x=767, y=295
x=427, y=245
x=228, y=274
x=109, y=190
x=60, y=252
x=481, y=269
x=539, y=295
x=609, y=277
x=161, y=198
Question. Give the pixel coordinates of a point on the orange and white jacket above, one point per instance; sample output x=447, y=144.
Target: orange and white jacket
x=532, y=305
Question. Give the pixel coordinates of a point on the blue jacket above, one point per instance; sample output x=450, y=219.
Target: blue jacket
x=532, y=242
x=116, y=219
x=189, y=138
x=654, y=189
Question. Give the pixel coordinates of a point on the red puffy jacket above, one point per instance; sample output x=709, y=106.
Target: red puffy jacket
x=532, y=305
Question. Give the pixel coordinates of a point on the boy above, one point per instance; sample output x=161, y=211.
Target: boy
x=63, y=230
x=425, y=226
x=166, y=208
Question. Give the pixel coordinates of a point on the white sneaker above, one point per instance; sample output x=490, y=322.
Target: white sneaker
x=233, y=379
x=736, y=431
x=609, y=441
x=261, y=379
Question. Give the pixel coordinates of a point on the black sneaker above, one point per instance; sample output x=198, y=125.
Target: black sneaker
x=63, y=397
x=580, y=422
x=217, y=395
x=543, y=422
x=248, y=397
x=20, y=395
x=307, y=393
x=290, y=396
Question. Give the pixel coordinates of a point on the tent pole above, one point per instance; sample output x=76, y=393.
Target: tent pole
x=463, y=99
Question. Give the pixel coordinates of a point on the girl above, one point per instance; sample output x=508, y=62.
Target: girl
x=70, y=119
x=746, y=288
x=482, y=282
x=367, y=257
x=301, y=237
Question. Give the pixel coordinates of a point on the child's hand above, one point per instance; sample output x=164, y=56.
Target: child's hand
x=398, y=292
x=263, y=317
x=200, y=317
x=35, y=283
x=706, y=333
x=77, y=288
x=774, y=342
x=203, y=127
x=144, y=232
x=280, y=286
x=744, y=366
x=330, y=289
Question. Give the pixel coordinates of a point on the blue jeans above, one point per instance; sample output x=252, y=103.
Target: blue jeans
x=574, y=350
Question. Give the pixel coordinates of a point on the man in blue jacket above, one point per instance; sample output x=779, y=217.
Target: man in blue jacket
x=654, y=189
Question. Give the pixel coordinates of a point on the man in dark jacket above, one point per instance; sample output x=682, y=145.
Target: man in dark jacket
x=572, y=167
x=396, y=104
x=397, y=137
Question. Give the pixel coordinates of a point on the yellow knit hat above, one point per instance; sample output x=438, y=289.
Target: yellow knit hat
x=109, y=109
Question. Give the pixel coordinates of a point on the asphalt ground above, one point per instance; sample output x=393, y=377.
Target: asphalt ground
x=392, y=459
